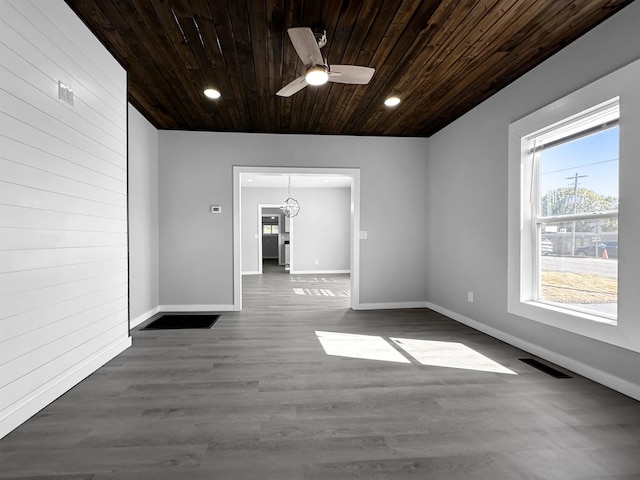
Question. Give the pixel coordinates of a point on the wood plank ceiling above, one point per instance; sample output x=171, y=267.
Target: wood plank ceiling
x=441, y=58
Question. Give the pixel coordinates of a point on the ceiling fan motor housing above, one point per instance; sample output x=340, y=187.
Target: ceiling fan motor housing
x=321, y=36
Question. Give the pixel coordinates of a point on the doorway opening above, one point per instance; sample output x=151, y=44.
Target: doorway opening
x=273, y=236
x=250, y=204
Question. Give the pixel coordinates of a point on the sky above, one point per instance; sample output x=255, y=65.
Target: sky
x=596, y=156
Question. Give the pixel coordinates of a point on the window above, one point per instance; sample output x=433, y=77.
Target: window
x=270, y=229
x=569, y=163
x=574, y=211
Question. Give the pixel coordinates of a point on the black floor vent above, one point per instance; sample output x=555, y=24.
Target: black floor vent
x=545, y=368
x=177, y=321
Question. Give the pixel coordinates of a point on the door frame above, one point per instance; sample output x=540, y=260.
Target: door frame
x=353, y=173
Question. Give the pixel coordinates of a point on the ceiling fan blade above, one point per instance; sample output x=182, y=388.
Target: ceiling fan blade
x=293, y=87
x=350, y=74
x=305, y=43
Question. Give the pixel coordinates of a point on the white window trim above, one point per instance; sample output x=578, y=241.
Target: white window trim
x=593, y=117
x=522, y=244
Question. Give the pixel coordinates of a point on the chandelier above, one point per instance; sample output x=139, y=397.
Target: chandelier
x=291, y=207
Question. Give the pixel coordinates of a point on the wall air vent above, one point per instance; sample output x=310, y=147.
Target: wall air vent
x=65, y=93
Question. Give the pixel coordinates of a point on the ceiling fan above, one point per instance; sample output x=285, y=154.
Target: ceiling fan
x=307, y=45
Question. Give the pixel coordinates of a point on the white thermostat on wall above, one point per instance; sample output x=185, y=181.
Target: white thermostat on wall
x=216, y=209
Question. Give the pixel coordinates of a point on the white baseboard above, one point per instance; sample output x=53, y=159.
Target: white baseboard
x=318, y=272
x=252, y=272
x=196, y=308
x=389, y=305
x=50, y=391
x=616, y=383
x=144, y=317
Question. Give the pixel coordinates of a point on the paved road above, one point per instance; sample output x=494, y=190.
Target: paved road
x=597, y=266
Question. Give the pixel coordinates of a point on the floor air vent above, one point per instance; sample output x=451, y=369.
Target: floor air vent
x=177, y=321
x=545, y=368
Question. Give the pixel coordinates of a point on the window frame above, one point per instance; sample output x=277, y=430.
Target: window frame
x=522, y=241
x=596, y=119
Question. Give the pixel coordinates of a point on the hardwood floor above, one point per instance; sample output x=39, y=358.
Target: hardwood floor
x=276, y=290
x=258, y=397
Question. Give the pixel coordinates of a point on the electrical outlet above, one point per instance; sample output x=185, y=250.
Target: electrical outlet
x=317, y=262
x=470, y=297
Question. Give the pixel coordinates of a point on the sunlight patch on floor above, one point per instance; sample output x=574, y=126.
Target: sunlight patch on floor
x=426, y=352
x=449, y=354
x=321, y=292
x=312, y=280
x=367, y=347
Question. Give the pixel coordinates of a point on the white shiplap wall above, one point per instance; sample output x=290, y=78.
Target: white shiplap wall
x=63, y=206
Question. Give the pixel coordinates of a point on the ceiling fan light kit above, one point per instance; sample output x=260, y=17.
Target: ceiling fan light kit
x=317, y=75
x=318, y=72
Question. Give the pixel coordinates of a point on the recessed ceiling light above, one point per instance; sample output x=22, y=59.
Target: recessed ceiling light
x=212, y=93
x=392, y=101
x=249, y=179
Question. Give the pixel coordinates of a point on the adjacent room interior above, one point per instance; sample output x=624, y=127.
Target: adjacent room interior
x=443, y=297
x=318, y=243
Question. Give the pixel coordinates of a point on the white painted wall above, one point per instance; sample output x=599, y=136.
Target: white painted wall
x=63, y=207
x=322, y=229
x=196, y=247
x=143, y=218
x=467, y=202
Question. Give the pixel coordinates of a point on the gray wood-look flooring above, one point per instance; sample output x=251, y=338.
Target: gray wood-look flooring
x=257, y=397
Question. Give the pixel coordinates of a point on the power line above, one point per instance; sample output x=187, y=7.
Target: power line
x=580, y=166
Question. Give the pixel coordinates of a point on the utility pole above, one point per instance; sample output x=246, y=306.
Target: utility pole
x=575, y=208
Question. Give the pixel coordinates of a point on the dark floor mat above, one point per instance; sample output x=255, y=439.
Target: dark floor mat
x=171, y=322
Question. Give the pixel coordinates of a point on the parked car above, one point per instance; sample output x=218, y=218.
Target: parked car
x=591, y=251
x=546, y=246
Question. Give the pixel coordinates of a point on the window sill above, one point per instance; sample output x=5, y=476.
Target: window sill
x=579, y=323
x=583, y=315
